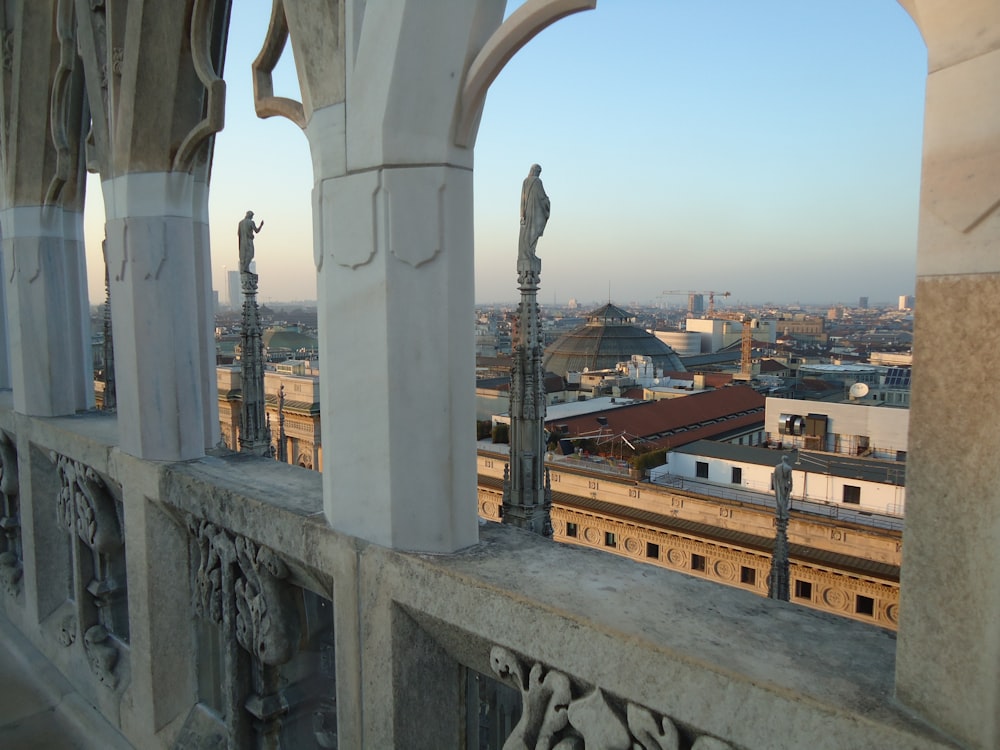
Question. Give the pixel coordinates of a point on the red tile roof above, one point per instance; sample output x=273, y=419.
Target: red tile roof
x=673, y=422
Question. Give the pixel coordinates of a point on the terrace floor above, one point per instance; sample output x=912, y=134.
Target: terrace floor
x=38, y=707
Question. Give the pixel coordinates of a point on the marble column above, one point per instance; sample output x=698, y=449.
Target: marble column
x=948, y=655
x=49, y=322
x=206, y=311
x=391, y=99
x=155, y=275
x=396, y=295
x=43, y=119
x=156, y=100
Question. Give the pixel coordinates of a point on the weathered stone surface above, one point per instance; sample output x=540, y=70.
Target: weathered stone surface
x=948, y=596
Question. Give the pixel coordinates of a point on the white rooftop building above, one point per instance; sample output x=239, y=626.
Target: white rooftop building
x=844, y=428
x=859, y=486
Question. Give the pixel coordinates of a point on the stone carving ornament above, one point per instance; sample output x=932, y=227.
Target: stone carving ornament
x=236, y=572
x=555, y=716
x=216, y=549
x=86, y=508
x=8, y=50
x=266, y=621
x=11, y=565
x=101, y=655
x=66, y=93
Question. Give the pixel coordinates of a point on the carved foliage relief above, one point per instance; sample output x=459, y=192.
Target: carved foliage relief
x=216, y=551
x=237, y=575
x=556, y=714
x=87, y=510
x=266, y=622
x=85, y=507
x=11, y=561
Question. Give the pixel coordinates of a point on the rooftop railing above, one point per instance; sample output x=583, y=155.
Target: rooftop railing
x=211, y=599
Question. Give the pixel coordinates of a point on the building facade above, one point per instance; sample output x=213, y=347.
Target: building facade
x=297, y=422
x=839, y=566
x=823, y=481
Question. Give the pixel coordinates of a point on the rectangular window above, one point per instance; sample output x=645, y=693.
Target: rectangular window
x=852, y=494
x=570, y=529
x=803, y=590
x=864, y=605
x=701, y=469
x=697, y=562
x=609, y=539
x=748, y=575
x=737, y=475
x=652, y=551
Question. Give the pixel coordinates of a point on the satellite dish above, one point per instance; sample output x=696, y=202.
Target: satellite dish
x=859, y=390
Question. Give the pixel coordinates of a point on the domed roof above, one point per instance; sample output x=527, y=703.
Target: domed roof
x=283, y=338
x=608, y=337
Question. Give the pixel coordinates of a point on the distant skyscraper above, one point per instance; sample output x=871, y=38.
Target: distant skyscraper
x=863, y=303
x=906, y=301
x=233, y=284
x=696, y=304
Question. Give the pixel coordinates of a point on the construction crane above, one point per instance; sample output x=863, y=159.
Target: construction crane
x=748, y=325
x=746, y=352
x=711, y=297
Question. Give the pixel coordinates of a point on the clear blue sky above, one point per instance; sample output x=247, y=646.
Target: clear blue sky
x=767, y=148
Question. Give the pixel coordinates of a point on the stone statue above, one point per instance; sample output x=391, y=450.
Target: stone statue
x=783, y=487
x=534, y=213
x=246, y=232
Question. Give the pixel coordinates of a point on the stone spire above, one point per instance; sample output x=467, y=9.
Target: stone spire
x=527, y=492
x=281, y=454
x=255, y=430
x=110, y=388
x=777, y=580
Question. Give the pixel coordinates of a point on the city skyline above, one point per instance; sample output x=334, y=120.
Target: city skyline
x=772, y=152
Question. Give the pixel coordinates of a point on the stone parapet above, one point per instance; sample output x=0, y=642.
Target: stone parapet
x=241, y=599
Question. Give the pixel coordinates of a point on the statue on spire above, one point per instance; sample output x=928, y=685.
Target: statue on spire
x=527, y=491
x=255, y=428
x=247, y=230
x=535, y=208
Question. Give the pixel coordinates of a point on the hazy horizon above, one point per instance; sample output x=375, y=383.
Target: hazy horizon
x=771, y=151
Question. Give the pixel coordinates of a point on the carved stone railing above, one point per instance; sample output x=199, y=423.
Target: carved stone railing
x=252, y=623
x=92, y=516
x=554, y=712
x=245, y=590
x=11, y=555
